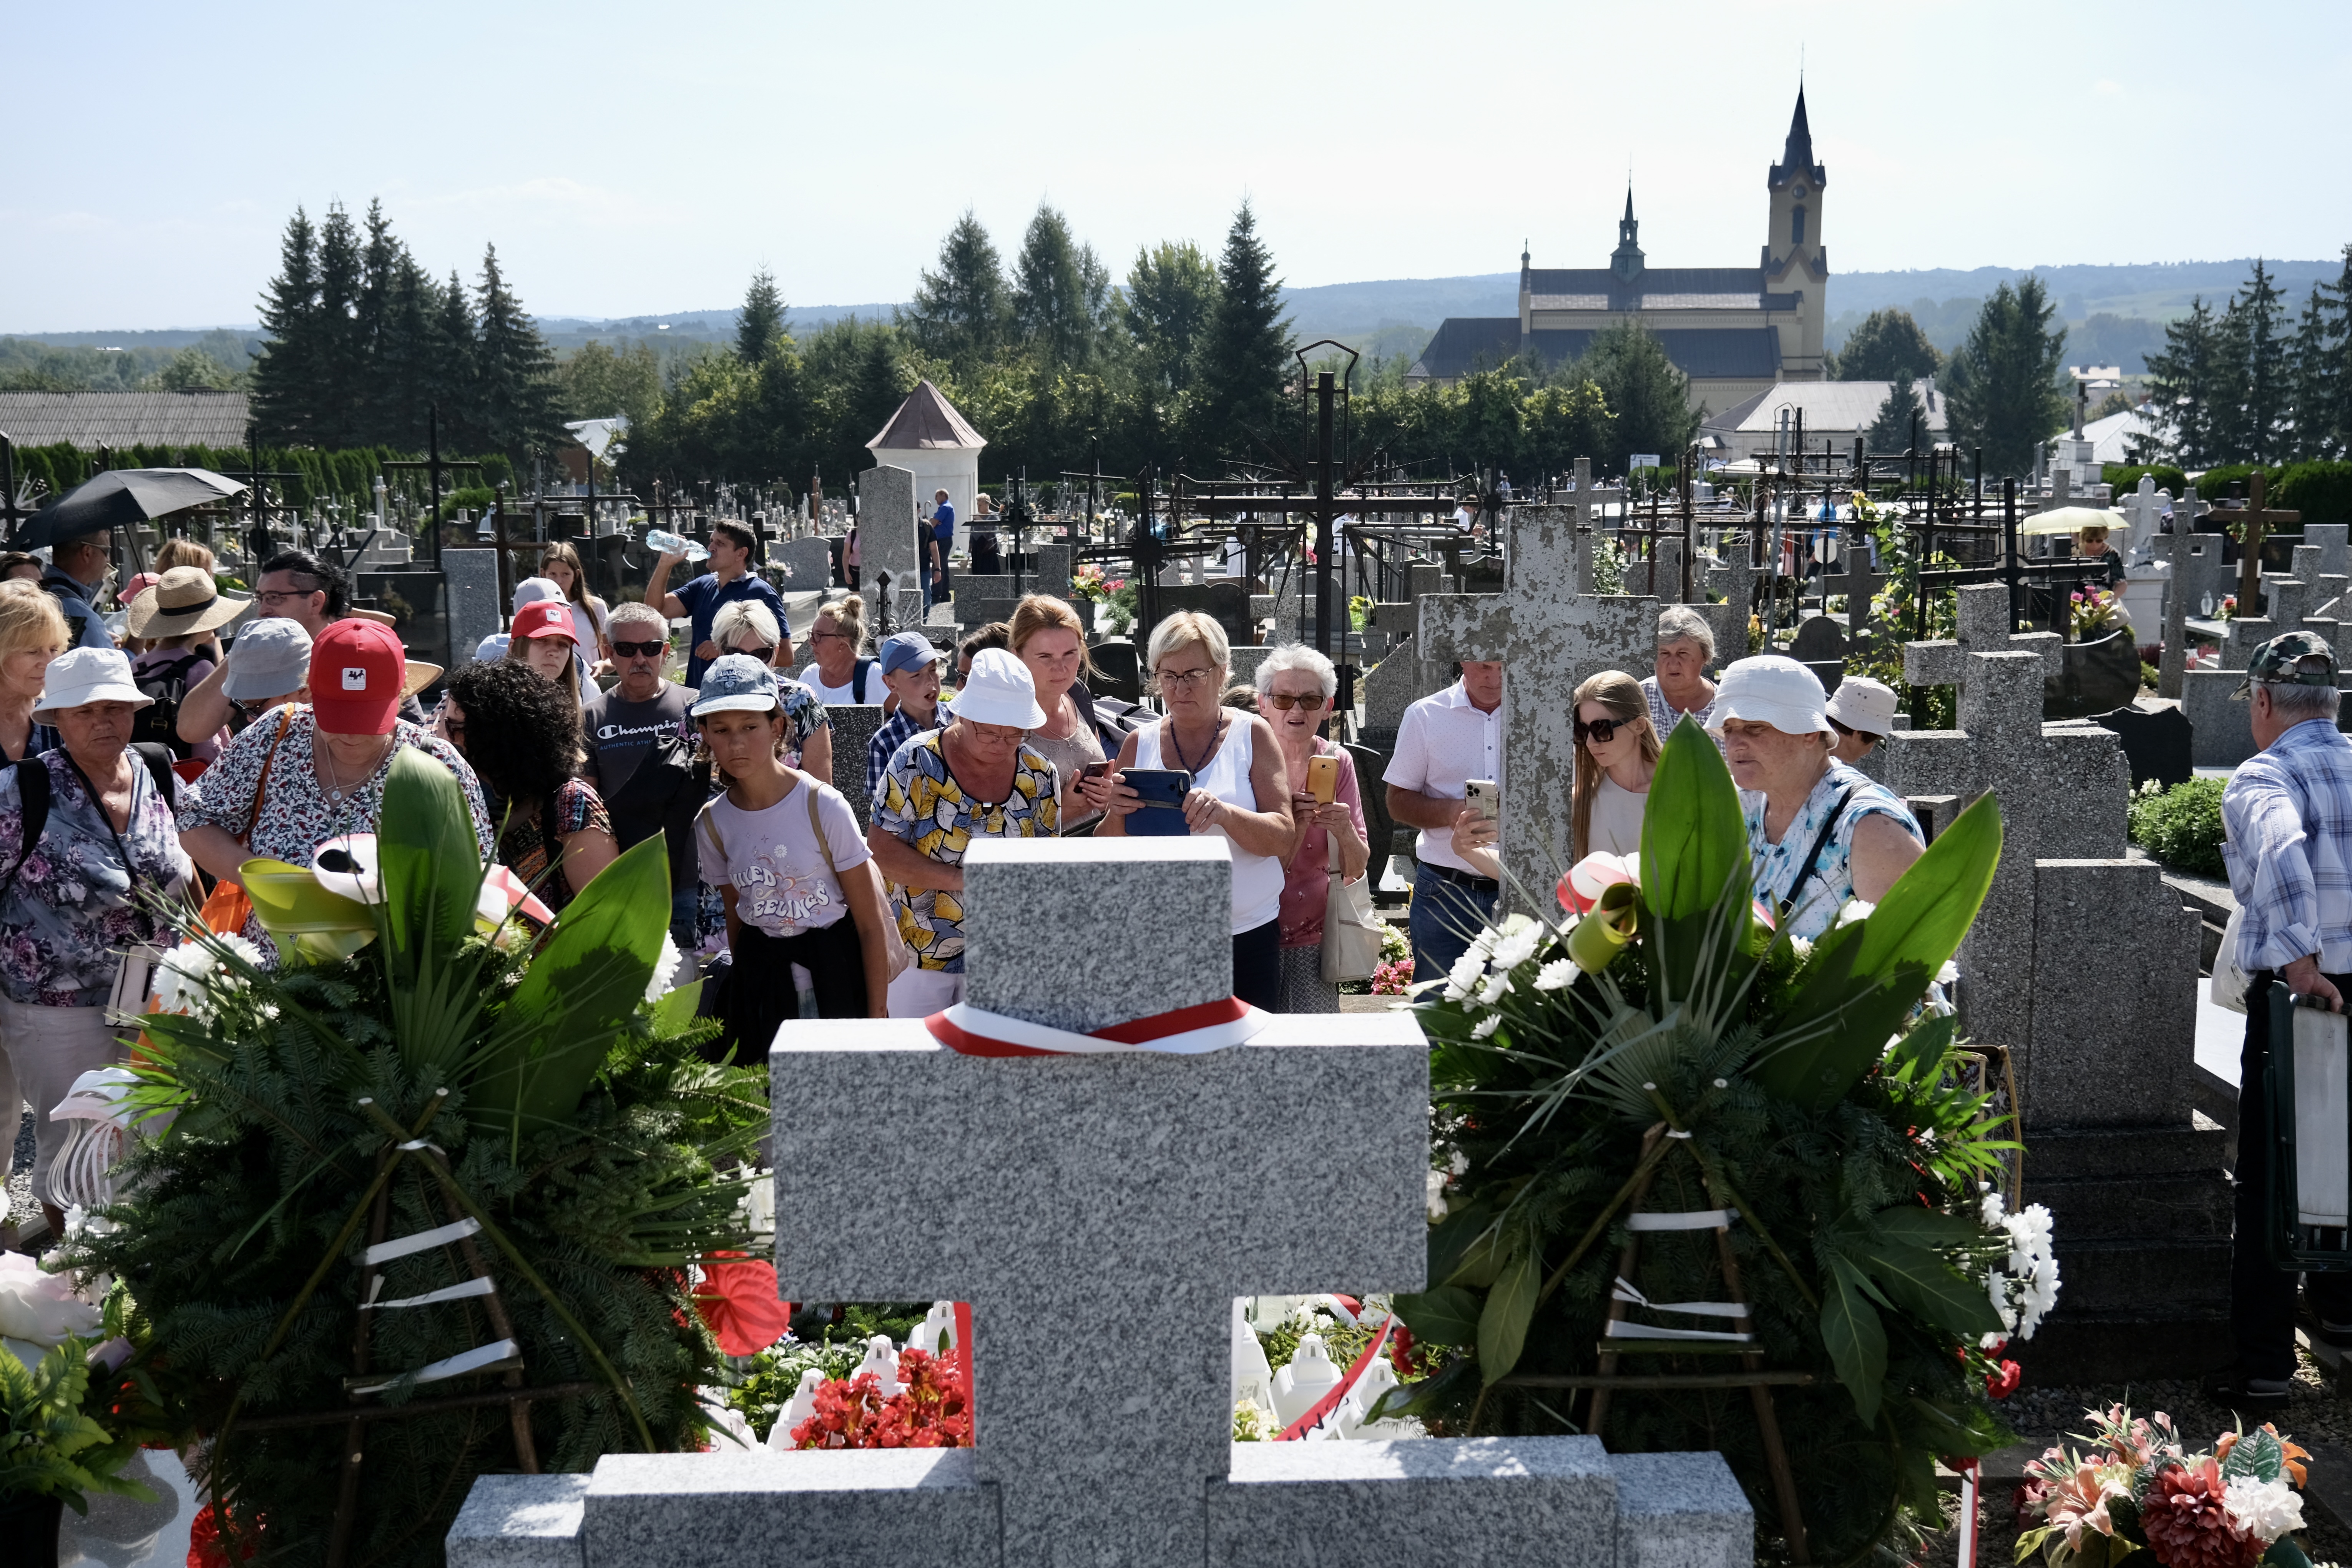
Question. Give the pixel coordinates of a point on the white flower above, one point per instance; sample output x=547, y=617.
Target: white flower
x=1497, y=986
x=1484, y=942
x=1994, y=1209
x=1803, y=947
x=1517, y=947
x=1949, y=973
x=1487, y=1026
x=665, y=970
x=1457, y=1163
x=2264, y=1509
x=1468, y=969
x=190, y=977
x=1855, y=910
x=1435, y=1197
x=1997, y=1286
x=1558, y=976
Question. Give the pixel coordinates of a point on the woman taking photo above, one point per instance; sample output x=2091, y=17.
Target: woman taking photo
x=842, y=676
x=1240, y=791
x=746, y=626
x=560, y=565
x=784, y=851
x=1046, y=635
x=70, y=886
x=1295, y=686
x=523, y=739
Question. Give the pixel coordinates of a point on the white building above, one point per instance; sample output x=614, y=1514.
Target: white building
x=928, y=438
x=1834, y=412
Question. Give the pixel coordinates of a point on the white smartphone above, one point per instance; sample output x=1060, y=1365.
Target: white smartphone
x=1487, y=796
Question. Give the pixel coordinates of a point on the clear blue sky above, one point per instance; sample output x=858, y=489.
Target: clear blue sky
x=632, y=158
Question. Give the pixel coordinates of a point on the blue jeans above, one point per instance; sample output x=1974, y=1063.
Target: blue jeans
x=1445, y=916
x=681, y=917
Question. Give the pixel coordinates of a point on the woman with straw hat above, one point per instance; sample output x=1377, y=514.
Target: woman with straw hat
x=176, y=619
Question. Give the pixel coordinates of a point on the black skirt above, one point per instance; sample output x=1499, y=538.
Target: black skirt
x=761, y=997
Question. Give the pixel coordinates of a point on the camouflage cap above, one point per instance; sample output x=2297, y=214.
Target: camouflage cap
x=2298, y=659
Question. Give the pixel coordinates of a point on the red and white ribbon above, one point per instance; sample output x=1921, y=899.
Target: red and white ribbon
x=1338, y=1391
x=1186, y=1032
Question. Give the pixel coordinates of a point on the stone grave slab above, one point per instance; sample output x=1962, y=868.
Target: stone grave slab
x=475, y=610
x=854, y=724
x=2223, y=725
x=887, y=542
x=2194, y=571
x=1247, y=657
x=981, y=598
x=1224, y=600
x=1735, y=578
x=805, y=565
x=2156, y=740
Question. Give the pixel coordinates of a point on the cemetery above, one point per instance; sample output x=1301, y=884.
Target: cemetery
x=1945, y=1162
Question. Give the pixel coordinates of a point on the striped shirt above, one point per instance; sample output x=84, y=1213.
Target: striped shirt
x=895, y=733
x=2287, y=816
x=1665, y=716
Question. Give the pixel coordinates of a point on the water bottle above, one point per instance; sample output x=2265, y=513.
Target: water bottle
x=668, y=543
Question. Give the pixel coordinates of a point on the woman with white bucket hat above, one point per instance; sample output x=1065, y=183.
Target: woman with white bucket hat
x=1819, y=831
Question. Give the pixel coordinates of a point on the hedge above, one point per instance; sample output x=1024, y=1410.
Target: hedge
x=2125, y=477
x=348, y=475
x=2321, y=492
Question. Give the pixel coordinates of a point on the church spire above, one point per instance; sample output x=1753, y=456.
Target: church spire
x=1626, y=262
x=1797, y=155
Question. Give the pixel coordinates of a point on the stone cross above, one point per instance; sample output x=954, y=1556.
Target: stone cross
x=1100, y=1212
x=887, y=531
x=2145, y=508
x=1981, y=621
x=2254, y=520
x=2193, y=563
x=1590, y=502
x=1549, y=640
x=1860, y=584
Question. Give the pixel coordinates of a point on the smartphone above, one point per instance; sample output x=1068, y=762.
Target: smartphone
x=1161, y=813
x=1487, y=797
x=1323, y=779
x=1092, y=771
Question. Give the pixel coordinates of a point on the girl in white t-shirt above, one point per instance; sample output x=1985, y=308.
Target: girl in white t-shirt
x=561, y=566
x=791, y=866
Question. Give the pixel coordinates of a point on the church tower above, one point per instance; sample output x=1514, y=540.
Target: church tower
x=1625, y=263
x=1795, y=261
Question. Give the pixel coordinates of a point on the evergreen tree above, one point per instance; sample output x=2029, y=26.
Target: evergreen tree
x=759, y=325
x=1649, y=396
x=408, y=355
x=1887, y=346
x=284, y=375
x=379, y=259
x=1893, y=429
x=453, y=349
x=2324, y=370
x=962, y=312
x=342, y=358
x=2311, y=422
x=1171, y=291
x=2181, y=381
x=1057, y=293
x=515, y=372
x=2265, y=385
x=1565, y=419
x=1243, y=356
x=2003, y=387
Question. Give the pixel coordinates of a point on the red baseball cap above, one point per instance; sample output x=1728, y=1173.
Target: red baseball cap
x=357, y=670
x=546, y=618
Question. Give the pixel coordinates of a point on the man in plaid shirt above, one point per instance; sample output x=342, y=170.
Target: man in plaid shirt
x=911, y=668
x=2287, y=816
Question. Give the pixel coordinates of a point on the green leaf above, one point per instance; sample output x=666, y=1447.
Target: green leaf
x=1480, y=1261
x=1694, y=840
x=579, y=994
x=2258, y=1454
x=1445, y=1316
x=430, y=859
x=1510, y=1307
x=1854, y=1336
x=2284, y=1553
x=675, y=1011
x=1924, y=1286
x=1450, y=1240
x=1930, y=1228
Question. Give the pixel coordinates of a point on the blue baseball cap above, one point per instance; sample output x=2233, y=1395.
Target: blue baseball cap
x=907, y=650
x=736, y=683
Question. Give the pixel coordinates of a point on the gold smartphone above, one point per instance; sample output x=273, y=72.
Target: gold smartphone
x=1487, y=797
x=1323, y=779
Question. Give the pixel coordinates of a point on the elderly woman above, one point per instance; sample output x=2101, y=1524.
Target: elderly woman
x=973, y=779
x=1240, y=791
x=281, y=790
x=1296, y=686
x=1820, y=833
x=1686, y=647
x=1862, y=711
x=32, y=632
x=748, y=626
x=519, y=735
x=1047, y=637
x=85, y=832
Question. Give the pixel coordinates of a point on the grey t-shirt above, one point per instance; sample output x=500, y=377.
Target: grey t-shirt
x=620, y=733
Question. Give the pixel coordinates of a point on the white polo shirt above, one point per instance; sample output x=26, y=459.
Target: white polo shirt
x=1443, y=744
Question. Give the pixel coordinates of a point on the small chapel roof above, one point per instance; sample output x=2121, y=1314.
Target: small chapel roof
x=927, y=421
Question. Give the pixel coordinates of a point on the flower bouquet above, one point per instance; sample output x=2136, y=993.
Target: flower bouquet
x=2137, y=1495
x=1666, y=1048
x=419, y=1059
x=2093, y=613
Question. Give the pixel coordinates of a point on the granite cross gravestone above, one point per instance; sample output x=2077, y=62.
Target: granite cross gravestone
x=2193, y=563
x=2222, y=733
x=983, y=597
x=887, y=528
x=1588, y=502
x=1550, y=640
x=475, y=612
x=1860, y=582
x=2145, y=508
x=1046, y=1192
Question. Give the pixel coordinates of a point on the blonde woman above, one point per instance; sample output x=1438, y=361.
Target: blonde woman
x=32, y=631
x=1616, y=758
x=545, y=636
x=746, y=628
x=560, y=565
x=182, y=552
x=1047, y=637
x=842, y=675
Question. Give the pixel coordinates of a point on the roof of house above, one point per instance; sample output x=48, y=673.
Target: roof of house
x=94, y=419
x=927, y=421
x=1465, y=344
x=1842, y=405
x=2112, y=437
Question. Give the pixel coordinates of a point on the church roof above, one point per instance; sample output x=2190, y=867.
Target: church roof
x=1471, y=343
x=1653, y=289
x=93, y=419
x=927, y=421
x=1465, y=344
x=1797, y=155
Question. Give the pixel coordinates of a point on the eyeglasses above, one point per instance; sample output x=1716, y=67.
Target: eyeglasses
x=640, y=649
x=828, y=637
x=1601, y=730
x=1175, y=679
x=274, y=597
x=1288, y=703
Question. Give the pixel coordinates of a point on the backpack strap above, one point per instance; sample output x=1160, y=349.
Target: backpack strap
x=1821, y=842
x=865, y=669
x=816, y=829
x=158, y=758
x=33, y=799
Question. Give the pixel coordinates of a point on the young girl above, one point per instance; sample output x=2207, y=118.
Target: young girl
x=561, y=566
x=790, y=866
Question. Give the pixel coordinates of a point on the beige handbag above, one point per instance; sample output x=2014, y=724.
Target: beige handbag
x=1352, y=932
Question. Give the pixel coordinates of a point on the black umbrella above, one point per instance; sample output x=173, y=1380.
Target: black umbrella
x=122, y=497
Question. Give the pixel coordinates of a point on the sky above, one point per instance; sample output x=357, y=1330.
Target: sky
x=631, y=159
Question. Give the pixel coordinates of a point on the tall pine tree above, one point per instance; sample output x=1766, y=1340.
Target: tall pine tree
x=450, y=385
x=2182, y=382
x=2004, y=390
x=1243, y=357
x=342, y=358
x=286, y=376
x=1898, y=417
x=760, y=326
x=1641, y=386
x=1170, y=292
x=2264, y=386
x=1058, y=293
x=963, y=311
x=515, y=372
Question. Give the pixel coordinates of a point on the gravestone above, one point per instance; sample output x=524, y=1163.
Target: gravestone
x=804, y=565
x=1245, y=659
x=854, y=724
x=1400, y=678
x=1549, y=641
x=1588, y=503
x=1860, y=584
x=1040, y=1189
x=2193, y=572
x=1820, y=647
x=1224, y=600
x=1734, y=577
x=2155, y=741
x=887, y=531
x=984, y=598
x=2222, y=725
x=2083, y=966
x=475, y=610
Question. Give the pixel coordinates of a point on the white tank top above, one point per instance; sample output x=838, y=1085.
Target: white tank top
x=1257, y=878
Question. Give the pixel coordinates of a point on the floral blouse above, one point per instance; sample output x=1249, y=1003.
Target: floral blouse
x=68, y=911
x=524, y=848
x=922, y=804
x=1852, y=797
x=804, y=716
x=297, y=814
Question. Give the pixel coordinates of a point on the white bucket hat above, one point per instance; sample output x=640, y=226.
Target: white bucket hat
x=85, y=675
x=1000, y=690
x=1769, y=689
x=1864, y=704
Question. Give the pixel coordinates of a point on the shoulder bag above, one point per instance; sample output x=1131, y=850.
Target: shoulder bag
x=896, y=956
x=226, y=906
x=1352, y=932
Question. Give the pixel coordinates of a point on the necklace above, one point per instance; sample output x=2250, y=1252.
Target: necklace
x=1216, y=732
x=335, y=785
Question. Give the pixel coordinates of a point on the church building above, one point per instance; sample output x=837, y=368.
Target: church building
x=1734, y=331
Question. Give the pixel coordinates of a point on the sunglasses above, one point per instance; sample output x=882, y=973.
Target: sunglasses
x=1288, y=703
x=640, y=649
x=1601, y=730
x=762, y=653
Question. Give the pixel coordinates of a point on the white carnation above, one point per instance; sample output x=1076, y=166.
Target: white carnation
x=1487, y=1026
x=1558, y=976
x=1994, y=1209
x=1465, y=974
x=1949, y=973
x=1435, y=1197
x=1497, y=986
x=665, y=970
x=2264, y=1509
x=191, y=976
x=1517, y=947
x=1855, y=910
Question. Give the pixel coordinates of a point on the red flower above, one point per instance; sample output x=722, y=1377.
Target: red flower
x=204, y=1548
x=2004, y=1383
x=743, y=1304
x=2186, y=1526
x=928, y=1412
